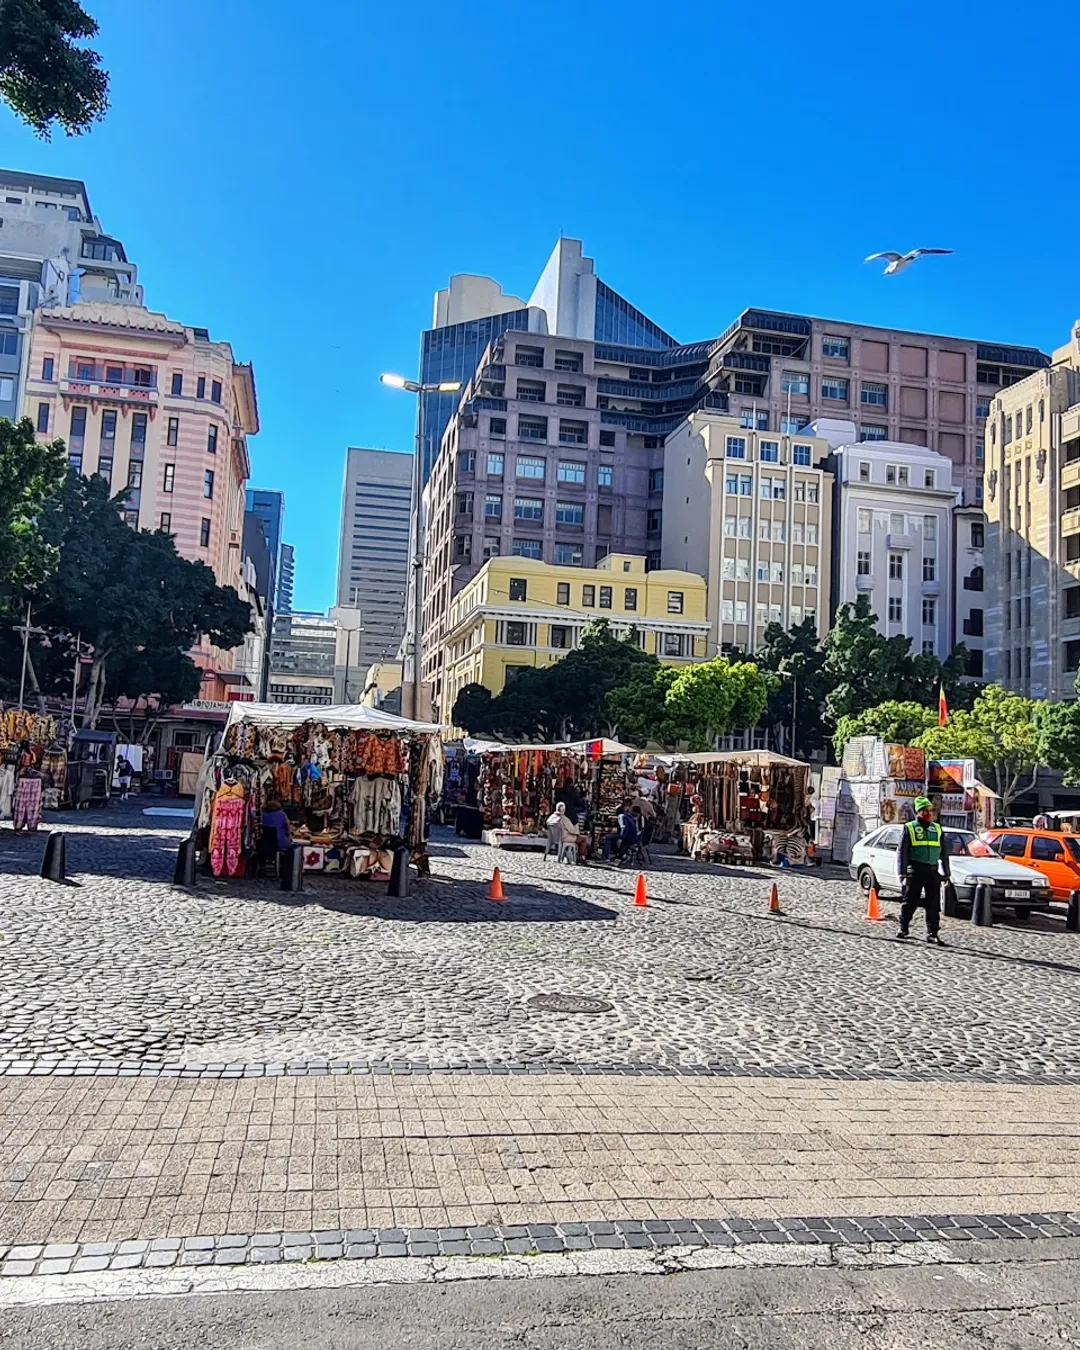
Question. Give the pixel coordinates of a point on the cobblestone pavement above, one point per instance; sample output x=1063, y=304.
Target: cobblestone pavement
x=123, y=969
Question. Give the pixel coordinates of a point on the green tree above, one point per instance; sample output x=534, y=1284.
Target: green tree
x=30, y=476
x=45, y=76
x=793, y=664
x=127, y=592
x=149, y=682
x=709, y=699
x=899, y=723
x=1059, y=737
x=472, y=709
x=638, y=711
x=1002, y=733
x=864, y=667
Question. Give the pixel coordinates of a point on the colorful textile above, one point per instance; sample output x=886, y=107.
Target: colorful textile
x=27, y=803
x=227, y=832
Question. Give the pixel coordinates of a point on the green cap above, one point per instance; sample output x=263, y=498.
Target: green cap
x=922, y=804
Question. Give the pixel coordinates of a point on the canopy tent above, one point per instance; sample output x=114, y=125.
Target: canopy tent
x=607, y=747
x=754, y=758
x=342, y=716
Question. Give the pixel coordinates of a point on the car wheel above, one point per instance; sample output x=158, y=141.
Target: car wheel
x=1023, y=913
x=866, y=880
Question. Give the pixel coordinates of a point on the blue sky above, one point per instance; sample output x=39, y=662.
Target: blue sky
x=302, y=188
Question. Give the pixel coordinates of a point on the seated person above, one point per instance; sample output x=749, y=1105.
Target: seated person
x=276, y=837
x=629, y=833
x=567, y=832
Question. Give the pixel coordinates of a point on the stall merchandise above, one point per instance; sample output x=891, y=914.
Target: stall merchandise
x=33, y=766
x=353, y=783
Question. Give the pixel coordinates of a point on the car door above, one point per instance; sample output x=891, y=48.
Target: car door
x=884, y=858
x=1013, y=846
x=1050, y=857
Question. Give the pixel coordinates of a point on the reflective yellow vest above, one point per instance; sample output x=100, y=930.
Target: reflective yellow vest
x=925, y=842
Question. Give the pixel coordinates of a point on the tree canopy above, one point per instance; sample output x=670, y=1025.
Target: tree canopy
x=1001, y=733
x=30, y=476
x=46, y=76
x=793, y=663
x=899, y=723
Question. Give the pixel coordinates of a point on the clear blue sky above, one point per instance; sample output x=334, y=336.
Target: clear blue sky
x=300, y=179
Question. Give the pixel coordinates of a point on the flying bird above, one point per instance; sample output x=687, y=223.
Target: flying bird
x=898, y=261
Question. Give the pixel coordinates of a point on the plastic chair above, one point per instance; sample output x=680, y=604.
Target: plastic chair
x=568, y=852
x=552, y=847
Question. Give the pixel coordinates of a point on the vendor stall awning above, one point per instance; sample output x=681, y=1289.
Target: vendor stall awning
x=606, y=747
x=340, y=717
x=754, y=758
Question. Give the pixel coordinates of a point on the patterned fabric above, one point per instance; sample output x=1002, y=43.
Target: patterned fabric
x=27, y=803
x=227, y=833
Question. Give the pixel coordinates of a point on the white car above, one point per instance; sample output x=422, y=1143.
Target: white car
x=972, y=862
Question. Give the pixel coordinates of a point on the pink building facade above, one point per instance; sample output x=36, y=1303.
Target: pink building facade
x=160, y=410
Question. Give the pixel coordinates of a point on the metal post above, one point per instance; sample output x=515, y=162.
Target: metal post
x=75, y=678
x=794, y=711
x=25, y=651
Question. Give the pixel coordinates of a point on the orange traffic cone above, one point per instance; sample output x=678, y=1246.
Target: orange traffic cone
x=774, y=901
x=873, y=907
x=495, y=890
x=640, y=897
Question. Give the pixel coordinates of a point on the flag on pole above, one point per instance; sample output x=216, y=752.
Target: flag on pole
x=942, y=707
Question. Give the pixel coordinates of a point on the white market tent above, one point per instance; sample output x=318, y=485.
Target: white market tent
x=607, y=747
x=340, y=717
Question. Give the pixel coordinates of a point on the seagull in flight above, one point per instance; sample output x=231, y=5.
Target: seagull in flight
x=898, y=261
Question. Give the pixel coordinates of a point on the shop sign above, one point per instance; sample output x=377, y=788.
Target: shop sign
x=205, y=705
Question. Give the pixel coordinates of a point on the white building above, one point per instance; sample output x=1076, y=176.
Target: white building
x=893, y=535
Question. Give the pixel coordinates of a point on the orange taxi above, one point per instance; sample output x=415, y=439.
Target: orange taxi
x=1053, y=853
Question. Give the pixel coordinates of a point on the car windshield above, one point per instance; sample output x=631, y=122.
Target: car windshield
x=961, y=844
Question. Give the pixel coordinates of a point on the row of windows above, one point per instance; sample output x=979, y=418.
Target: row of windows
x=769, y=488
x=525, y=508
x=535, y=391
x=769, y=573
x=765, y=613
x=896, y=566
x=895, y=614
x=772, y=531
x=899, y=523
x=165, y=523
x=535, y=467
x=769, y=451
x=518, y=633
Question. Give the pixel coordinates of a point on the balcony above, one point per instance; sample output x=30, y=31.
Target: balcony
x=864, y=583
x=112, y=384
x=902, y=541
x=1070, y=522
x=931, y=587
x=1070, y=474
x=974, y=582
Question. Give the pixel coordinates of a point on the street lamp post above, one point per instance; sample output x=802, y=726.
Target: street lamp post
x=412, y=387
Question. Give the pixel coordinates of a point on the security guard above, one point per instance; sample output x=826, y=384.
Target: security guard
x=921, y=855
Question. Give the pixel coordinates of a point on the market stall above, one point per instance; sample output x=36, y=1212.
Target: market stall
x=739, y=805
x=33, y=766
x=520, y=785
x=352, y=785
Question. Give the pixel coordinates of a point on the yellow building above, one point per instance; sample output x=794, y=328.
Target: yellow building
x=521, y=612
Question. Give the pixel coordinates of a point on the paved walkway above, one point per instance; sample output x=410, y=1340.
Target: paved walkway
x=111, y=1159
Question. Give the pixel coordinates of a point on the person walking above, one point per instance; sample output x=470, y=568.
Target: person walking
x=922, y=861
x=123, y=774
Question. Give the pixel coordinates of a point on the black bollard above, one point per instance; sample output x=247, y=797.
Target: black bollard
x=1072, y=919
x=184, y=872
x=399, y=874
x=54, y=863
x=952, y=904
x=291, y=867
x=982, y=912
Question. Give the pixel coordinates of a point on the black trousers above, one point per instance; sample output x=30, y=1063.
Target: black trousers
x=922, y=886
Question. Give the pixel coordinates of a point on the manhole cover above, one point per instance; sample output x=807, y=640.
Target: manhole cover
x=569, y=1003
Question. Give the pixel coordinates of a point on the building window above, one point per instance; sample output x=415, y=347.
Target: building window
x=528, y=508
x=562, y=593
x=769, y=452
x=980, y=448
x=836, y=348
x=567, y=360
x=493, y=507
x=138, y=429
x=528, y=466
x=215, y=391
x=654, y=521
x=177, y=383
x=573, y=471
x=929, y=612
x=143, y=376
x=495, y=462
x=870, y=432
x=588, y=596
x=605, y=597
x=200, y=387
x=736, y=447
x=492, y=546
x=1028, y=413
x=674, y=602
x=607, y=438
x=131, y=518
x=792, y=425
x=208, y=484
x=47, y=367
x=463, y=504
x=497, y=426
x=78, y=428
x=605, y=475
x=204, y=533
x=982, y=407
x=753, y=421
x=211, y=439
x=862, y=563
x=630, y=598
x=573, y=433
x=466, y=461
x=929, y=568
x=978, y=492
x=528, y=356
x=896, y=609
x=135, y=473
x=104, y=468
x=800, y=454
x=929, y=528
x=9, y=300
x=528, y=548
x=977, y=534
x=874, y=394
x=9, y=339
x=165, y=523
x=519, y=588
x=532, y=428
x=532, y=391
x=672, y=644
x=42, y=417
x=864, y=471
x=928, y=647
x=570, y=396
x=896, y=567
x=795, y=382
x=656, y=480
x=173, y=433
x=569, y=513
x=169, y=479
x=835, y=388
x=559, y=636
x=568, y=555
x=928, y=478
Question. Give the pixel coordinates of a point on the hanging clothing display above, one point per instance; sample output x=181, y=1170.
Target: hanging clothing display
x=7, y=790
x=227, y=818
x=27, y=808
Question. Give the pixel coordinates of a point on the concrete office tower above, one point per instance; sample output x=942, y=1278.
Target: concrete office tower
x=1033, y=531
x=893, y=536
x=373, y=556
x=286, y=579
x=302, y=659
x=53, y=251
x=269, y=505
x=751, y=512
